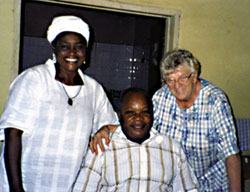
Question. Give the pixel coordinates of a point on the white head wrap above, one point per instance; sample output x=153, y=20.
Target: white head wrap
x=67, y=24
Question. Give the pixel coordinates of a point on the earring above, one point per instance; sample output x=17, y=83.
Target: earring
x=84, y=62
x=54, y=57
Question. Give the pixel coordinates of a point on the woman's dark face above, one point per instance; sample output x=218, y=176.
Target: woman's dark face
x=70, y=50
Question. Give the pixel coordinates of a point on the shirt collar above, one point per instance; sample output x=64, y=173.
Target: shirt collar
x=119, y=133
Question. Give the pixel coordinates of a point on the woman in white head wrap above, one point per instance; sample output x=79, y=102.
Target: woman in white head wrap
x=50, y=113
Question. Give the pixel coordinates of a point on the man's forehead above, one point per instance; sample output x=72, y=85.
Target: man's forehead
x=134, y=97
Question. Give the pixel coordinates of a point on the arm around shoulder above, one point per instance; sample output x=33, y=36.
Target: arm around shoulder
x=102, y=133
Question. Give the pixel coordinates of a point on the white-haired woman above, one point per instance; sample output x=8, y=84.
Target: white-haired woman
x=50, y=113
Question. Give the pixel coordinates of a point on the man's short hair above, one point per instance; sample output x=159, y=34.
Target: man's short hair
x=137, y=90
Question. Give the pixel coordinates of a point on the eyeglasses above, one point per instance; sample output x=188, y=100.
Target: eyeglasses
x=183, y=79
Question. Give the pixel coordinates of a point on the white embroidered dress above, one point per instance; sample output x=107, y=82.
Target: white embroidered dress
x=55, y=134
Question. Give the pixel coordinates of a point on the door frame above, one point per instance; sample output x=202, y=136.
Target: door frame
x=172, y=20
x=172, y=16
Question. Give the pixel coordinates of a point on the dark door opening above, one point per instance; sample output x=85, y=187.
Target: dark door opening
x=125, y=48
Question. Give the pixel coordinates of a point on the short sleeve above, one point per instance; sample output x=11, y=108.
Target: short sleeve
x=104, y=112
x=225, y=129
x=21, y=106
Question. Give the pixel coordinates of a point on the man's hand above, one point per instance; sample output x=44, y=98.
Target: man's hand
x=102, y=133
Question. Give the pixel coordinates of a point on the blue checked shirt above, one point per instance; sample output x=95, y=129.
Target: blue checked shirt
x=206, y=132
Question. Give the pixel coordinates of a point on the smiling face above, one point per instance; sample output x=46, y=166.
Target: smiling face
x=136, y=117
x=181, y=83
x=70, y=50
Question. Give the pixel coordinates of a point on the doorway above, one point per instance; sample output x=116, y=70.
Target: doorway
x=125, y=48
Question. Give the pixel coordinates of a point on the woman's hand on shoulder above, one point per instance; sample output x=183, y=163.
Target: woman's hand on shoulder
x=102, y=133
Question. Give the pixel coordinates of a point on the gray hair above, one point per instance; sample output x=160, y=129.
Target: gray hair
x=173, y=59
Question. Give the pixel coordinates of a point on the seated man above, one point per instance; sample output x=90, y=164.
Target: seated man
x=138, y=158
